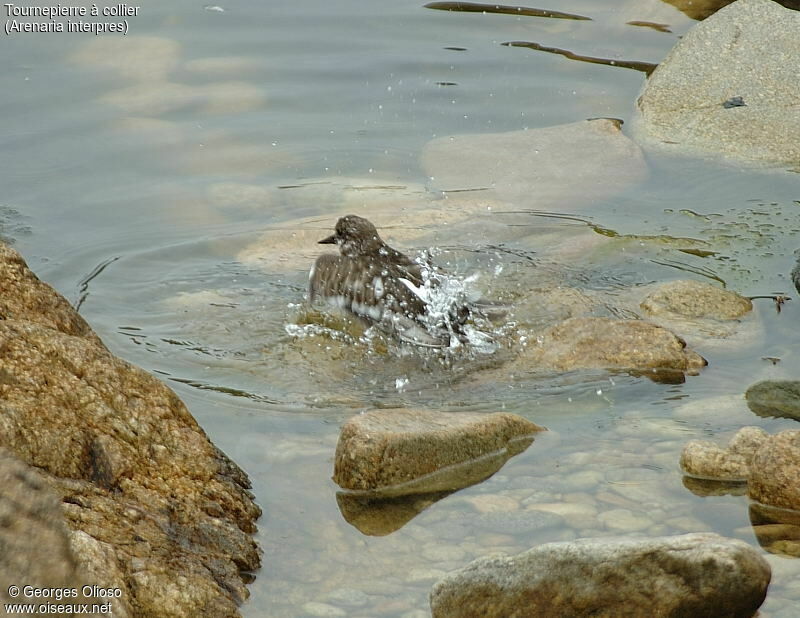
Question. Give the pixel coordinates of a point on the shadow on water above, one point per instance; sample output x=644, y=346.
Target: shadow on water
x=645, y=67
x=502, y=9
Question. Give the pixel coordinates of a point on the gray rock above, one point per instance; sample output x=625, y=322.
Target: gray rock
x=542, y=168
x=775, y=398
x=696, y=299
x=775, y=471
x=153, y=507
x=398, y=452
x=730, y=86
x=705, y=460
x=689, y=575
x=606, y=343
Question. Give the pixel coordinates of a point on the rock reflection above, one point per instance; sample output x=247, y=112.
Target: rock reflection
x=711, y=487
x=382, y=516
x=777, y=529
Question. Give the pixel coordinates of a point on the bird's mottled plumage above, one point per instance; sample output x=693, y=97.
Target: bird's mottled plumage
x=375, y=282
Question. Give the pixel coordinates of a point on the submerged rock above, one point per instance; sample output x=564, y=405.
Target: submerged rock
x=689, y=575
x=775, y=471
x=606, y=343
x=695, y=299
x=542, y=168
x=154, y=507
x=729, y=86
x=775, y=398
x=398, y=452
x=705, y=460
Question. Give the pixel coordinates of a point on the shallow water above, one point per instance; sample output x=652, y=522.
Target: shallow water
x=144, y=196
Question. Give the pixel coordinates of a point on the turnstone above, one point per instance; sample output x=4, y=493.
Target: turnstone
x=385, y=287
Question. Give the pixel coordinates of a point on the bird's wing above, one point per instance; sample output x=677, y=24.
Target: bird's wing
x=364, y=286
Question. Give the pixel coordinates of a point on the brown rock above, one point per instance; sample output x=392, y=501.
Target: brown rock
x=154, y=508
x=35, y=542
x=695, y=299
x=704, y=459
x=415, y=451
x=606, y=343
x=24, y=297
x=775, y=471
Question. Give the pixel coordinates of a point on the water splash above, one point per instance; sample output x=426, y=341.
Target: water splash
x=458, y=320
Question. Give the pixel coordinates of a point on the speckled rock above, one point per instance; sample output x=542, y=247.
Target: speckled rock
x=704, y=459
x=23, y=296
x=729, y=87
x=695, y=299
x=35, y=540
x=153, y=507
x=690, y=575
x=775, y=398
x=543, y=168
x=775, y=471
x=398, y=452
x=606, y=343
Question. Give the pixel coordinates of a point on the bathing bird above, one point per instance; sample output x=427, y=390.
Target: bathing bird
x=384, y=287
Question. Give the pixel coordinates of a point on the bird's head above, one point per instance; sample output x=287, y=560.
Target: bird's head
x=355, y=236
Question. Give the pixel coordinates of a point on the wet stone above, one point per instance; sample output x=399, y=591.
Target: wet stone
x=692, y=575
x=780, y=398
x=605, y=343
x=695, y=299
x=775, y=471
x=322, y=609
x=542, y=168
x=348, y=597
x=399, y=452
x=623, y=520
x=518, y=522
x=706, y=460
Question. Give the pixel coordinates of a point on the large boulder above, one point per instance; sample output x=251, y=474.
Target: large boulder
x=154, y=508
x=730, y=86
x=689, y=575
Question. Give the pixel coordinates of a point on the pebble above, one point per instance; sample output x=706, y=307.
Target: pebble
x=583, y=480
x=418, y=575
x=416, y=613
x=576, y=515
x=349, y=597
x=443, y=553
x=689, y=524
x=322, y=609
x=493, y=503
x=623, y=520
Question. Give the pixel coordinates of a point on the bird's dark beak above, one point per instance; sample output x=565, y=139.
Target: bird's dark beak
x=330, y=240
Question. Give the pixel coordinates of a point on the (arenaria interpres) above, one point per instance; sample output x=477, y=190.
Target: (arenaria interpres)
x=385, y=287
